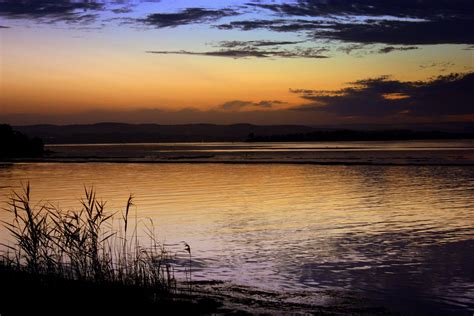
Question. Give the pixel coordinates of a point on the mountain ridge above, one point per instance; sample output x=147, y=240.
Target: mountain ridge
x=116, y=132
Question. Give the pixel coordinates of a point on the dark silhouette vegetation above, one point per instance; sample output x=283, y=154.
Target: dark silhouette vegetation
x=16, y=144
x=26, y=293
x=353, y=135
x=84, y=261
x=152, y=133
x=155, y=133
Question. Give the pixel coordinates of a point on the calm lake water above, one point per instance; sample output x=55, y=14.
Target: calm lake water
x=402, y=236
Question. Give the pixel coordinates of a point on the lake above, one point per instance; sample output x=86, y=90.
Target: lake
x=401, y=235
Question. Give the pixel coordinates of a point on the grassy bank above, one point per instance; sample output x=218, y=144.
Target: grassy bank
x=26, y=293
x=86, y=259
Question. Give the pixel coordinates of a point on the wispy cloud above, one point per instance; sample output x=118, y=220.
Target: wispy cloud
x=362, y=49
x=123, y=10
x=252, y=52
x=260, y=43
x=186, y=16
x=434, y=64
x=389, y=49
x=237, y=105
x=277, y=25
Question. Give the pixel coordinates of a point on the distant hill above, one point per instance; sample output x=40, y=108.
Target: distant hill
x=152, y=133
x=149, y=133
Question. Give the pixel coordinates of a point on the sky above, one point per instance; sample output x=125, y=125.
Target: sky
x=311, y=62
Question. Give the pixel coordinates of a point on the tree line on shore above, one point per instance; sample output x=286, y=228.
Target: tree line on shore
x=16, y=144
x=353, y=135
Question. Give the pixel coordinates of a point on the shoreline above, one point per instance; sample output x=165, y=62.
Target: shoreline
x=84, y=160
x=55, y=295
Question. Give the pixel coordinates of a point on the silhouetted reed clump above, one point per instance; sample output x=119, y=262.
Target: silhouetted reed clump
x=85, y=245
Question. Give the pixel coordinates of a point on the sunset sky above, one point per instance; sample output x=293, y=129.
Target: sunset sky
x=310, y=62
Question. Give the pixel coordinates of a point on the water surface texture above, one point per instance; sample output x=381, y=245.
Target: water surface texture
x=400, y=235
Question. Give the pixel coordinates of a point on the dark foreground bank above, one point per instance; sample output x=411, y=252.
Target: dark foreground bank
x=23, y=293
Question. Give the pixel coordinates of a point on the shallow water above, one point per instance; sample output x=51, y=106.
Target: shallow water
x=401, y=235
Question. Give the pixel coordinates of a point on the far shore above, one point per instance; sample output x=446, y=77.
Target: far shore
x=199, y=160
x=438, y=153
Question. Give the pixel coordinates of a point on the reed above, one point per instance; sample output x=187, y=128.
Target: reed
x=86, y=244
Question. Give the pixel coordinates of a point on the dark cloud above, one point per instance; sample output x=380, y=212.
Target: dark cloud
x=246, y=52
x=427, y=9
x=444, y=96
x=444, y=31
x=50, y=10
x=4, y=27
x=404, y=22
x=186, y=16
x=236, y=105
x=393, y=32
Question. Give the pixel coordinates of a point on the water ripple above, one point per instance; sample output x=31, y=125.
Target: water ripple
x=384, y=231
